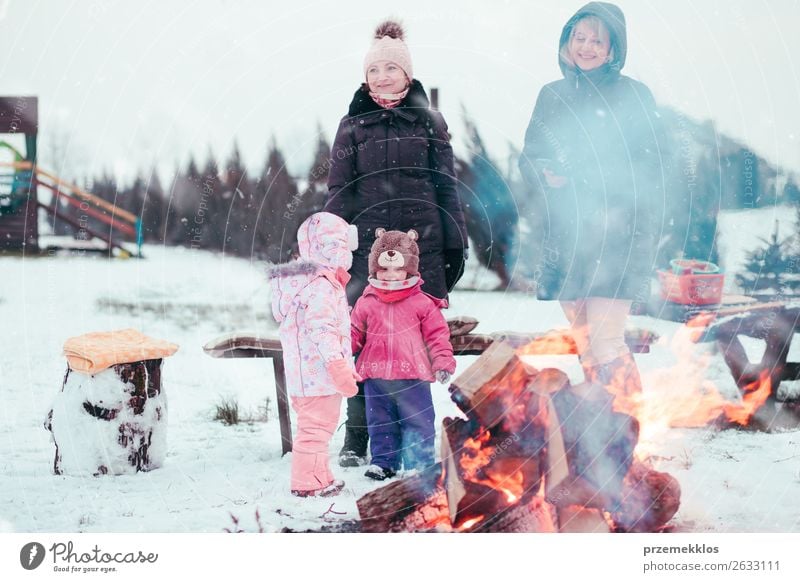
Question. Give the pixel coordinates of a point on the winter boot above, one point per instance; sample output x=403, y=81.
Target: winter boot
x=379, y=473
x=349, y=458
x=333, y=488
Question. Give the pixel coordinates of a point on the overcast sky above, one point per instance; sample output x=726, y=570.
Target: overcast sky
x=123, y=84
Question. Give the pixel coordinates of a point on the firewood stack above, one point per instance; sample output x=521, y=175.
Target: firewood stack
x=534, y=454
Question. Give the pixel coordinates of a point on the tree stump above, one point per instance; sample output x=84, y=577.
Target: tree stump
x=113, y=422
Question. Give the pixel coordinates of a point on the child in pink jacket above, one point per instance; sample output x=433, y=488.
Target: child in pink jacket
x=405, y=344
x=309, y=301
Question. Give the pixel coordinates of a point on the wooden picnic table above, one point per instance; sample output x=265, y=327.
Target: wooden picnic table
x=774, y=322
x=554, y=342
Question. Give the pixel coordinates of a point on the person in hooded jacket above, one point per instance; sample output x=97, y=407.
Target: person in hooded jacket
x=593, y=149
x=392, y=167
x=309, y=302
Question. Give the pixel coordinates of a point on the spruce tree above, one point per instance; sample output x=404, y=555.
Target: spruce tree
x=279, y=204
x=489, y=207
x=242, y=205
x=153, y=211
x=213, y=207
x=316, y=190
x=771, y=267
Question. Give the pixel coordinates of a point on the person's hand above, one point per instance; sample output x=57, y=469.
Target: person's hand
x=343, y=376
x=554, y=180
x=442, y=376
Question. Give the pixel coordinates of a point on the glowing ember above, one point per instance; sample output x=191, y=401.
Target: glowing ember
x=510, y=485
x=470, y=522
x=477, y=459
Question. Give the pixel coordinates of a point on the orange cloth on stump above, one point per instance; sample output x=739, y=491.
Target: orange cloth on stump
x=94, y=352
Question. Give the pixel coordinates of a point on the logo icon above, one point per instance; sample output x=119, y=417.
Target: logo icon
x=31, y=555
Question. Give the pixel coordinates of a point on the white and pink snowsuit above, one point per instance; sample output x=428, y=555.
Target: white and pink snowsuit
x=309, y=302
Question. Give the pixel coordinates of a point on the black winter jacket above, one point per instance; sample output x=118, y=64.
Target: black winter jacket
x=393, y=168
x=601, y=130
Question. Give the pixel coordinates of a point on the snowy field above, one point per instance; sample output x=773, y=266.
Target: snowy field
x=732, y=481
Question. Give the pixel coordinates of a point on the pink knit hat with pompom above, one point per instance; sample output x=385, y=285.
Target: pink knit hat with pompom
x=389, y=45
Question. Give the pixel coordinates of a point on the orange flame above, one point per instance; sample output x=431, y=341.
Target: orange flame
x=510, y=485
x=755, y=395
x=553, y=342
x=470, y=522
x=686, y=398
x=477, y=457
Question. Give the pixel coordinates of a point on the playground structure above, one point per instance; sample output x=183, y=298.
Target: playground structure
x=20, y=204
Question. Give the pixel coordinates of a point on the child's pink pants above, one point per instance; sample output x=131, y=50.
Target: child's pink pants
x=317, y=417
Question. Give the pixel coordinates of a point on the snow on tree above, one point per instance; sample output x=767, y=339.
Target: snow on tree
x=772, y=267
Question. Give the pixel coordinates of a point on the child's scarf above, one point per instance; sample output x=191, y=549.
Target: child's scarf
x=394, y=291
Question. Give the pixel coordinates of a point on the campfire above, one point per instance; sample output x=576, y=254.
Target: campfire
x=534, y=454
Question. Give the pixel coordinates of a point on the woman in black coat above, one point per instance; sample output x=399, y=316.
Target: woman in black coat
x=392, y=168
x=593, y=149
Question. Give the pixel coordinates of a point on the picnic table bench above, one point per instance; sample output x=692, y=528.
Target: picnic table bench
x=465, y=343
x=775, y=322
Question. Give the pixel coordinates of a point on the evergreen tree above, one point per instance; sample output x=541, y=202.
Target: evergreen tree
x=132, y=199
x=213, y=208
x=791, y=192
x=489, y=207
x=153, y=212
x=239, y=195
x=772, y=267
x=277, y=194
x=316, y=191
x=104, y=187
x=185, y=225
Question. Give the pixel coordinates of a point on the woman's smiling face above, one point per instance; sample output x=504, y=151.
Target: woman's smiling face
x=589, y=46
x=386, y=77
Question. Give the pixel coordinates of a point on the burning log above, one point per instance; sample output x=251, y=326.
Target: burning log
x=526, y=428
x=590, y=448
x=491, y=385
x=534, y=516
x=414, y=504
x=469, y=489
x=649, y=500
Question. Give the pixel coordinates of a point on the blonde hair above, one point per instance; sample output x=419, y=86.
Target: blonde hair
x=598, y=27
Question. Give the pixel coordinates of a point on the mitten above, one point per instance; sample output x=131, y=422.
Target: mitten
x=343, y=376
x=442, y=376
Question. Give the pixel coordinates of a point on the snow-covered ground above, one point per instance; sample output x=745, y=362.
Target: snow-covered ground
x=731, y=480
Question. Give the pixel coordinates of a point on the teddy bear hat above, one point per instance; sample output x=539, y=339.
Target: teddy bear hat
x=394, y=249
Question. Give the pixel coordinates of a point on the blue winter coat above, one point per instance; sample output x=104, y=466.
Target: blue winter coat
x=601, y=130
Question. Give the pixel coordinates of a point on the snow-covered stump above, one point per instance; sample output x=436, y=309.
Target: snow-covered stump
x=113, y=422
